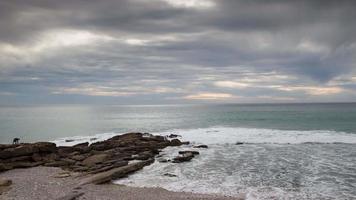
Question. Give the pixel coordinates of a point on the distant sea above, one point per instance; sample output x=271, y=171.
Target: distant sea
x=290, y=151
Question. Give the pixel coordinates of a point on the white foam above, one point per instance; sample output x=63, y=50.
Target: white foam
x=226, y=135
x=70, y=141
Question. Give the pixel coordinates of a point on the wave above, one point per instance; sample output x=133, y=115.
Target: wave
x=232, y=135
x=227, y=135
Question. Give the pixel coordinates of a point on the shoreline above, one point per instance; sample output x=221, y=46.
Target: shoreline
x=46, y=183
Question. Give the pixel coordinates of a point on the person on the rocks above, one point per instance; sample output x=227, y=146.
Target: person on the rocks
x=15, y=140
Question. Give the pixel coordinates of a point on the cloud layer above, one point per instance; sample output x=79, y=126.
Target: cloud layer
x=181, y=51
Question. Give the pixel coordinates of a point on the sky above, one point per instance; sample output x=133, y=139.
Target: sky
x=177, y=51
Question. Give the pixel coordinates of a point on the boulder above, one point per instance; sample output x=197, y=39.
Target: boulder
x=175, y=142
x=95, y=159
x=201, y=146
x=239, y=143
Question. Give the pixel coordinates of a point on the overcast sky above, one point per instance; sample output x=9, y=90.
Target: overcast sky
x=177, y=51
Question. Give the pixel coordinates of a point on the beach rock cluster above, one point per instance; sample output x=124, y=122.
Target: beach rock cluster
x=109, y=159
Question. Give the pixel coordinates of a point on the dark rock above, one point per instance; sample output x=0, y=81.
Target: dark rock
x=92, y=139
x=162, y=160
x=59, y=163
x=239, y=143
x=185, y=143
x=183, y=158
x=69, y=140
x=193, y=152
x=20, y=159
x=201, y=146
x=78, y=157
x=84, y=144
x=175, y=142
x=169, y=175
x=95, y=159
x=173, y=136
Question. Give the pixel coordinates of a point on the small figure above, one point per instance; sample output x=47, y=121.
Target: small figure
x=16, y=141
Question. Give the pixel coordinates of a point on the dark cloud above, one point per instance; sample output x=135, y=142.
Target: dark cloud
x=158, y=51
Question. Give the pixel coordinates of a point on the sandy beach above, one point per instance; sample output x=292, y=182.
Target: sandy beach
x=42, y=183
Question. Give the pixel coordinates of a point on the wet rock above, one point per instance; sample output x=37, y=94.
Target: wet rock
x=169, y=175
x=98, y=158
x=163, y=160
x=201, y=146
x=173, y=136
x=92, y=139
x=183, y=158
x=239, y=143
x=175, y=142
x=185, y=143
x=69, y=140
x=192, y=152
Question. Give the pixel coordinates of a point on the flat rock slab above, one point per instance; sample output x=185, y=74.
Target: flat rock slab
x=116, y=173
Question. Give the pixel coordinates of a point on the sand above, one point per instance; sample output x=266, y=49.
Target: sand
x=41, y=183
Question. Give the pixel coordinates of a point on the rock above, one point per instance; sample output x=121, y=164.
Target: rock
x=192, y=152
x=183, y=158
x=23, y=164
x=116, y=173
x=169, y=175
x=63, y=175
x=173, y=136
x=64, y=151
x=163, y=160
x=92, y=139
x=78, y=157
x=239, y=143
x=36, y=157
x=98, y=158
x=59, y=163
x=81, y=145
x=45, y=147
x=5, y=182
x=175, y=142
x=23, y=150
x=69, y=140
x=201, y=146
x=21, y=159
x=185, y=143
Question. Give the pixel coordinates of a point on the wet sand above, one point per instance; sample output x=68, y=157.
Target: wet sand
x=41, y=183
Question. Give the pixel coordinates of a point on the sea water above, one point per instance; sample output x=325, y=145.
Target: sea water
x=289, y=151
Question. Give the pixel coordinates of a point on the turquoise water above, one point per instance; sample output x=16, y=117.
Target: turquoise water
x=33, y=123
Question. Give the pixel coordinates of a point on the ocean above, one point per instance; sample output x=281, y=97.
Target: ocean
x=289, y=151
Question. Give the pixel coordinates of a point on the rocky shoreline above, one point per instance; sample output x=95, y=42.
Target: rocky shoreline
x=96, y=163
x=105, y=160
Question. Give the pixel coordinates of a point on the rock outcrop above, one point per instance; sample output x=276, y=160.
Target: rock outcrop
x=107, y=159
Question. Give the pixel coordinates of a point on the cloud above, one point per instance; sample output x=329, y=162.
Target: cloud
x=209, y=96
x=166, y=51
